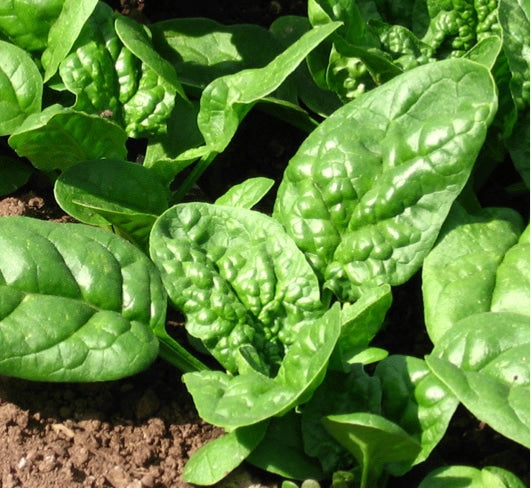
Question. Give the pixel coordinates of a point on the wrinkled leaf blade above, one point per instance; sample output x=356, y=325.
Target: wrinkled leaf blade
x=76, y=303
x=368, y=191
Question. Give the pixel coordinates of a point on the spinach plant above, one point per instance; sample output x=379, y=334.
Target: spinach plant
x=408, y=112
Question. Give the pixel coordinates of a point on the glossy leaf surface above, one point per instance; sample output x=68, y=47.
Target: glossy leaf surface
x=469, y=477
x=76, y=303
x=367, y=192
x=247, y=194
x=239, y=279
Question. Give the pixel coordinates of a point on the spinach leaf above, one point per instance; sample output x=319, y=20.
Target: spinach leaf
x=58, y=138
x=106, y=192
x=484, y=360
x=459, y=273
x=216, y=459
x=246, y=194
x=368, y=191
x=76, y=303
x=470, y=477
x=21, y=87
x=248, y=398
x=239, y=279
x=13, y=174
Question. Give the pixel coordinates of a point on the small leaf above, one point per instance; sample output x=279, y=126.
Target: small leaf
x=469, y=477
x=216, y=459
x=58, y=138
x=64, y=33
x=246, y=194
x=374, y=441
x=20, y=85
x=76, y=303
x=14, y=173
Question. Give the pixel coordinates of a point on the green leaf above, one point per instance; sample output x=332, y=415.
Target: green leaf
x=226, y=101
x=113, y=192
x=202, y=50
x=246, y=194
x=21, y=87
x=469, y=477
x=514, y=19
x=459, y=274
x=486, y=51
x=235, y=401
x=58, y=138
x=282, y=451
x=367, y=192
x=27, y=25
x=137, y=38
x=14, y=173
x=64, y=33
x=76, y=303
x=216, y=459
x=375, y=442
x=484, y=360
x=238, y=278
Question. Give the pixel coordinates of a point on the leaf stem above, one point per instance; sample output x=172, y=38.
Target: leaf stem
x=170, y=350
x=194, y=175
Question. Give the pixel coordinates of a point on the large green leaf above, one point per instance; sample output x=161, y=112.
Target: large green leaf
x=248, y=398
x=239, y=279
x=20, y=85
x=470, y=477
x=484, y=361
x=368, y=191
x=58, y=138
x=459, y=274
x=76, y=303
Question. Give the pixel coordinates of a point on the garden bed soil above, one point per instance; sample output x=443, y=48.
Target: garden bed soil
x=140, y=431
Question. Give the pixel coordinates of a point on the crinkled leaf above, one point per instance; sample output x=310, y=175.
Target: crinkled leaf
x=107, y=78
x=238, y=278
x=58, y=138
x=202, y=50
x=14, y=173
x=137, y=38
x=235, y=401
x=514, y=20
x=113, y=192
x=64, y=33
x=216, y=459
x=282, y=451
x=27, y=24
x=226, y=101
x=459, y=274
x=367, y=192
x=484, y=360
x=470, y=477
x=76, y=303
x=246, y=194
x=20, y=85
x=377, y=443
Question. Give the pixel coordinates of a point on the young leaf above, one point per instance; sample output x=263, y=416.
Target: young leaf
x=484, y=361
x=226, y=101
x=375, y=442
x=76, y=303
x=246, y=194
x=58, y=138
x=106, y=192
x=469, y=477
x=235, y=401
x=216, y=459
x=20, y=85
x=14, y=173
x=459, y=273
x=239, y=279
x=367, y=192
x=64, y=33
